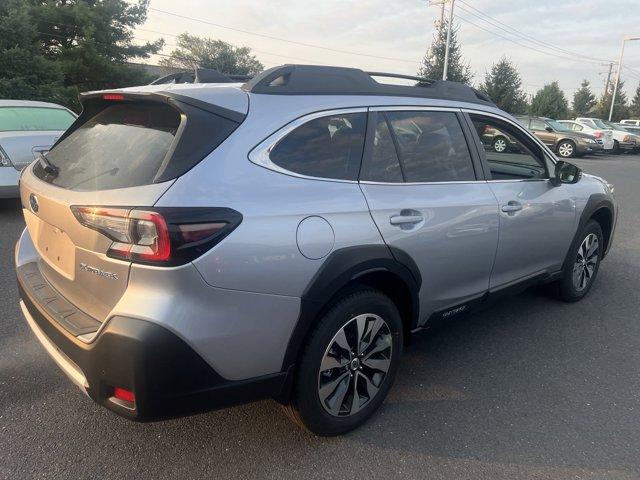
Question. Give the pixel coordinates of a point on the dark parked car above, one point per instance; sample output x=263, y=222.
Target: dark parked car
x=559, y=138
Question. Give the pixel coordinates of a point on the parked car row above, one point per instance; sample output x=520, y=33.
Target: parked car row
x=571, y=138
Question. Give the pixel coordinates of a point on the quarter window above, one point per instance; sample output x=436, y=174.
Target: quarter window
x=326, y=147
x=511, y=155
x=431, y=146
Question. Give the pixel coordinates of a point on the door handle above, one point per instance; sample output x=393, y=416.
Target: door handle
x=511, y=207
x=405, y=219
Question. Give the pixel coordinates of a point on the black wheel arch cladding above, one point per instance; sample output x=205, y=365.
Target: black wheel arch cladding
x=342, y=268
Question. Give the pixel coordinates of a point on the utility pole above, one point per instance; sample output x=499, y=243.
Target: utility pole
x=615, y=85
x=446, y=51
x=606, y=85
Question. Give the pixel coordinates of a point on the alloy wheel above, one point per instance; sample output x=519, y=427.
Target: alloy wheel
x=355, y=365
x=586, y=261
x=565, y=149
x=499, y=145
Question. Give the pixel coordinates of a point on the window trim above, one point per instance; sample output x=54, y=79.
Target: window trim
x=551, y=156
x=260, y=154
x=475, y=159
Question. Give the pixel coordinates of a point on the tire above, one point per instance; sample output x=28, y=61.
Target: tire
x=572, y=289
x=566, y=149
x=500, y=144
x=322, y=400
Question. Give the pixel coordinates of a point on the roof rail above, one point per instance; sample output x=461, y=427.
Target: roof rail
x=327, y=80
x=200, y=75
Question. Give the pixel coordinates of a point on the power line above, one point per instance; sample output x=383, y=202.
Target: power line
x=271, y=37
x=513, y=31
x=515, y=41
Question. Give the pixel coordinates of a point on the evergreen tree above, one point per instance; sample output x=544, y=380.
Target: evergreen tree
x=57, y=49
x=583, y=100
x=634, y=109
x=433, y=63
x=504, y=87
x=620, y=108
x=210, y=53
x=549, y=101
x=25, y=74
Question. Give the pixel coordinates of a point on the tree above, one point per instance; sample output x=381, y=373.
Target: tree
x=620, y=108
x=549, y=101
x=195, y=51
x=24, y=72
x=87, y=42
x=93, y=40
x=504, y=87
x=634, y=109
x=433, y=63
x=583, y=100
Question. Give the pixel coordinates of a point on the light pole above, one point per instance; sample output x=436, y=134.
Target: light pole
x=446, y=50
x=615, y=85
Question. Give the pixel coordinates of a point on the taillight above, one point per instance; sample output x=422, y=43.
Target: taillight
x=597, y=134
x=166, y=236
x=113, y=96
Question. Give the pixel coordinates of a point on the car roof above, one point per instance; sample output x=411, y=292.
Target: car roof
x=29, y=103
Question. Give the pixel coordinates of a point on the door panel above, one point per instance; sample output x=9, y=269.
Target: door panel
x=450, y=231
x=537, y=223
x=537, y=220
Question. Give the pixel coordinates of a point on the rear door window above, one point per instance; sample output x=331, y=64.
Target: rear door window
x=325, y=147
x=537, y=124
x=28, y=119
x=431, y=146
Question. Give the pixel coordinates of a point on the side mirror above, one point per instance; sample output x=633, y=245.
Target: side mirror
x=566, y=173
x=548, y=129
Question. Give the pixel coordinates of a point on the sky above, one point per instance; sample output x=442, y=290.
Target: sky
x=563, y=40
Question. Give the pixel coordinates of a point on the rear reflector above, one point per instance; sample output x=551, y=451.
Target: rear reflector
x=124, y=395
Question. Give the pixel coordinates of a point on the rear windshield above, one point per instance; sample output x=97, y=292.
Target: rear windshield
x=124, y=145
x=28, y=119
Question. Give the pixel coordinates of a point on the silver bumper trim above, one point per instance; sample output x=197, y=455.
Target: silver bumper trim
x=66, y=365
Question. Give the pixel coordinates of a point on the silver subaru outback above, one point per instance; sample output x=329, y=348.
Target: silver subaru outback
x=193, y=246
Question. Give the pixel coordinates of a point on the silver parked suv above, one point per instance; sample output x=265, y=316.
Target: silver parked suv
x=195, y=246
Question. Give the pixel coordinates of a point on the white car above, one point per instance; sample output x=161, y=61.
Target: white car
x=635, y=123
x=622, y=141
x=27, y=129
x=604, y=136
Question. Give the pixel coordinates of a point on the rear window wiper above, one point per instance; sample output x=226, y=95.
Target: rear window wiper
x=48, y=167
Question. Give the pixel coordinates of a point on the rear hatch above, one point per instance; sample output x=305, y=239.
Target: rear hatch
x=124, y=151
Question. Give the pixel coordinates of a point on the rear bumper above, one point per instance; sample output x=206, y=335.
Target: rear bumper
x=9, y=177
x=583, y=148
x=167, y=376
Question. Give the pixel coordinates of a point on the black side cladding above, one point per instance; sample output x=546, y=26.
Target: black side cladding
x=340, y=269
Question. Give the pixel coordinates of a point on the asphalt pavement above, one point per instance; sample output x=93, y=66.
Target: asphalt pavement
x=530, y=388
